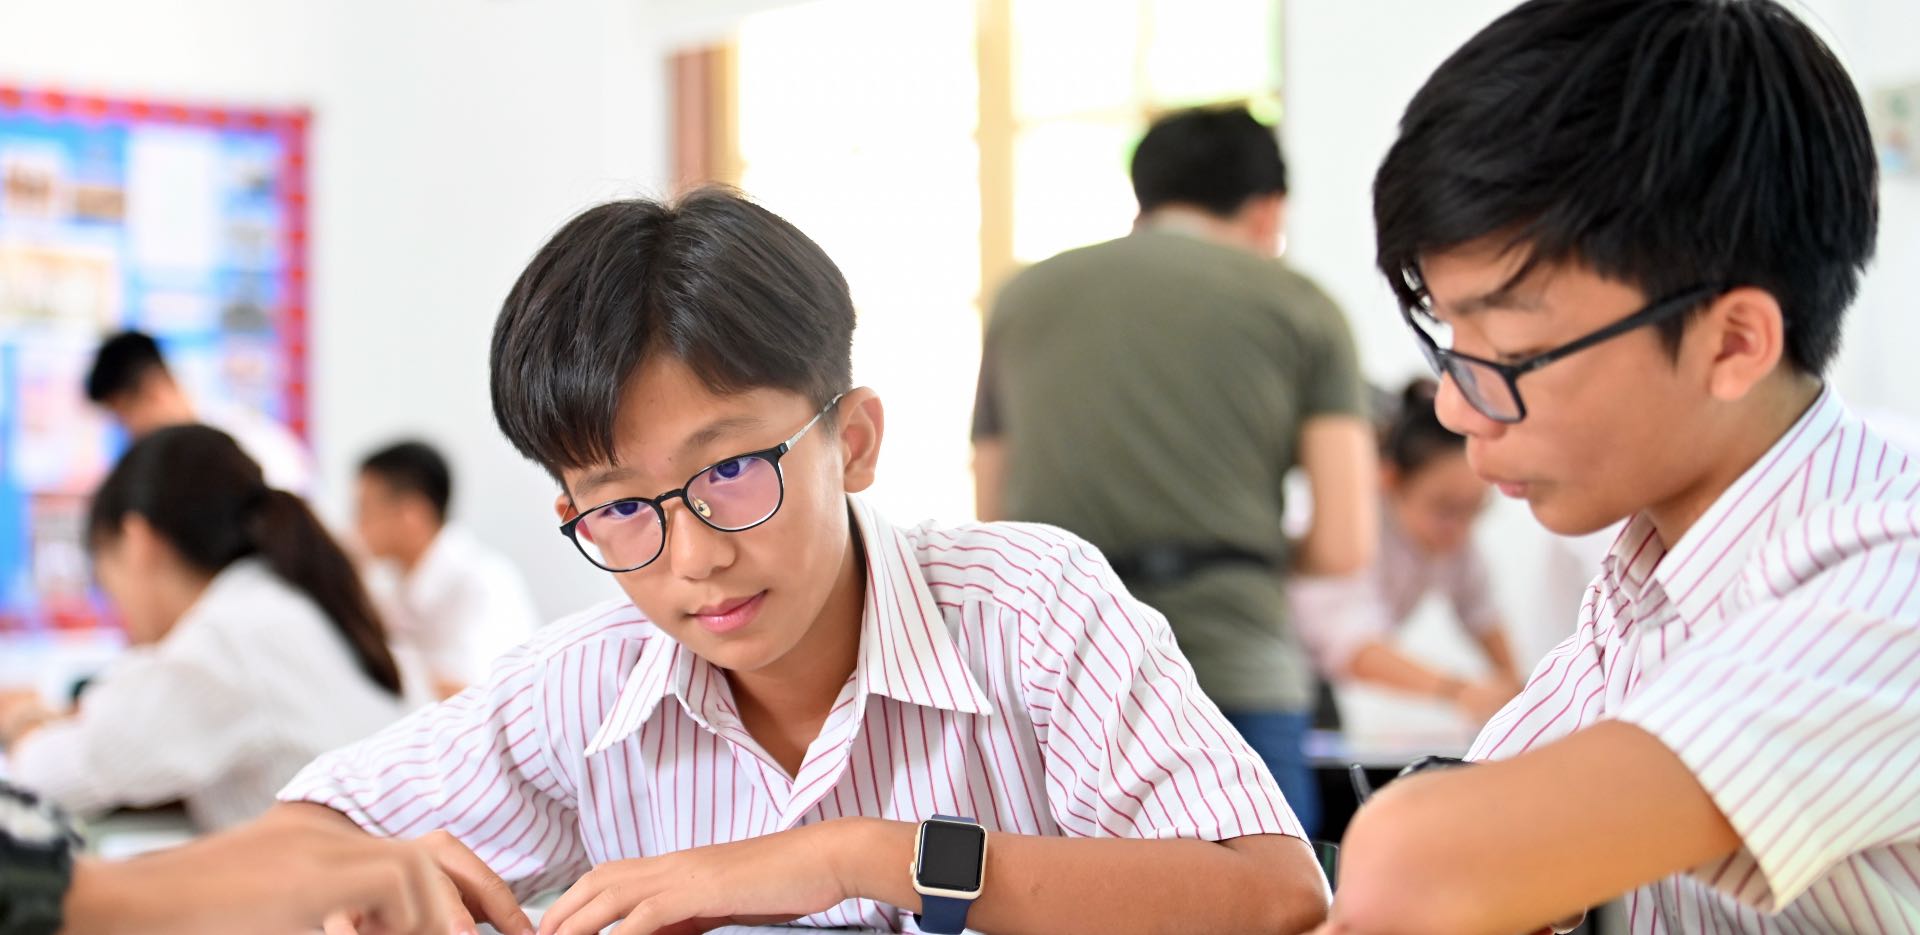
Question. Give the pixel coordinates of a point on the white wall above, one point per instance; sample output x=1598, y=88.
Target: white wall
x=452, y=137
x=449, y=138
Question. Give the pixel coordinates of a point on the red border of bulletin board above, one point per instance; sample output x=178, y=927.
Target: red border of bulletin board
x=88, y=253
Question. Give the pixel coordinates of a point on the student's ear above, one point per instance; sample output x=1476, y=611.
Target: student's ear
x=861, y=423
x=1744, y=337
x=563, y=506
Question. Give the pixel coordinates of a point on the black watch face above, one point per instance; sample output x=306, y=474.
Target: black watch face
x=950, y=855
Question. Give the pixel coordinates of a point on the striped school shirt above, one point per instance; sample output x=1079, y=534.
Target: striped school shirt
x=1003, y=673
x=1776, y=650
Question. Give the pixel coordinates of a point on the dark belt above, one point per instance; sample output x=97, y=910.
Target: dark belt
x=1169, y=563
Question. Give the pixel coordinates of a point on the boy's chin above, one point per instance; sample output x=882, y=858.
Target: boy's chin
x=1570, y=519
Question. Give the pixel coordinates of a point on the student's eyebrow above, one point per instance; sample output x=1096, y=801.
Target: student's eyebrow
x=1504, y=298
x=603, y=477
x=716, y=430
x=706, y=435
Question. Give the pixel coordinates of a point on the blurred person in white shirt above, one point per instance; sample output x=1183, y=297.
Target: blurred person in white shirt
x=130, y=380
x=1430, y=498
x=253, y=644
x=446, y=596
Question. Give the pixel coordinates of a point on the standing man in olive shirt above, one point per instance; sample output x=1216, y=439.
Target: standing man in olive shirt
x=1151, y=393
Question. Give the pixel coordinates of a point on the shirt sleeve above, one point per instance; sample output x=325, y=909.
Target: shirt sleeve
x=1337, y=617
x=479, y=766
x=154, y=728
x=1563, y=693
x=1132, y=747
x=1470, y=590
x=1800, y=720
x=1334, y=386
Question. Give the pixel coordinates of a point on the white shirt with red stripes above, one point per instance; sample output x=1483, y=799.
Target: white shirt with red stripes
x=1004, y=674
x=1776, y=650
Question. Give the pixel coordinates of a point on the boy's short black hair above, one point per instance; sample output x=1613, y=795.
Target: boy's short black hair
x=414, y=467
x=1668, y=144
x=725, y=286
x=1214, y=158
x=122, y=361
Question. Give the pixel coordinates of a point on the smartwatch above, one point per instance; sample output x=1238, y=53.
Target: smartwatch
x=37, y=845
x=949, y=869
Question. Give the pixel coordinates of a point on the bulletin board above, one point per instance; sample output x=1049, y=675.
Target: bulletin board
x=186, y=222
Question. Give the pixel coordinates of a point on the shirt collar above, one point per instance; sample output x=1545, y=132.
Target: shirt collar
x=1695, y=571
x=906, y=649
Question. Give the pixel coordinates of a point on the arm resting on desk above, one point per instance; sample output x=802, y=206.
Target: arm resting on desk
x=1516, y=843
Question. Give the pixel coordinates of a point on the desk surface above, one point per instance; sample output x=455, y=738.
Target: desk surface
x=1332, y=749
x=130, y=834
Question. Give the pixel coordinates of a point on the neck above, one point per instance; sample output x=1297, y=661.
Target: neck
x=1774, y=409
x=1193, y=222
x=177, y=593
x=804, y=684
x=411, y=554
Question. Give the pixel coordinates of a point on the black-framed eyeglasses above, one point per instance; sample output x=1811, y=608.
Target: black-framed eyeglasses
x=732, y=495
x=1493, y=388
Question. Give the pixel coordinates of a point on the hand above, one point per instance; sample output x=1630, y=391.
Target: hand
x=264, y=878
x=1479, y=701
x=21, y=711
x=763, y=881
x=468, y=892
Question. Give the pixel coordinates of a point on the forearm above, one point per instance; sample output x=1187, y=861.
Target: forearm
x=104, y=899
x=306, y=815
x=989, y=479
x=1265, y=883
x=1499, y=652
x=1381, y=664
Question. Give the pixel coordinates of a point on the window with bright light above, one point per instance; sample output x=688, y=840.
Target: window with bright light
x=931, y=147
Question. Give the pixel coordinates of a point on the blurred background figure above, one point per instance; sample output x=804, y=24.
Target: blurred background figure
x=446, y=596
x=253, y=645
x=1151, y=394
x=1430, y=500
x=131, y=381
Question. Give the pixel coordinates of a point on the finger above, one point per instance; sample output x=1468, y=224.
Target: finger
x=577, y=896
x=485, y=896
x=340, y=923
x=661, y=915
x=452, y=907
x=601, y=911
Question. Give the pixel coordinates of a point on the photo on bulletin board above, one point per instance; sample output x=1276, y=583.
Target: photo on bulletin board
x=1894, y=112
x=188, y=223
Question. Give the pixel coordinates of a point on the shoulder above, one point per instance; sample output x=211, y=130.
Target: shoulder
x=1059, y=588
x=610, y=624
x=1021, y=564
x=1029, y=288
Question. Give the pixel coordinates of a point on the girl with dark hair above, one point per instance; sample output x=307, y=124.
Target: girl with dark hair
x=1430, y=498
x=254, y=647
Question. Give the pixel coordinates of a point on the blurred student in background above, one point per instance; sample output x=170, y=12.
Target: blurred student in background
x=1151, y=393
x=443, y=594
x=1430, y=499
x=254, y=646
x=131, y=381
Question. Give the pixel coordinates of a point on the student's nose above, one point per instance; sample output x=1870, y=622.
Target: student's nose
x=695, y=550
x=1450, y=406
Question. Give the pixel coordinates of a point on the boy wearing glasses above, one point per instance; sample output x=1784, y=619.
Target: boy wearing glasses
x=1625, y=232
x=800, y=711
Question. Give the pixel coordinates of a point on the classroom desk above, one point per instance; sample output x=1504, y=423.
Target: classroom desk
x=1331, y=753
x=124, y=834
